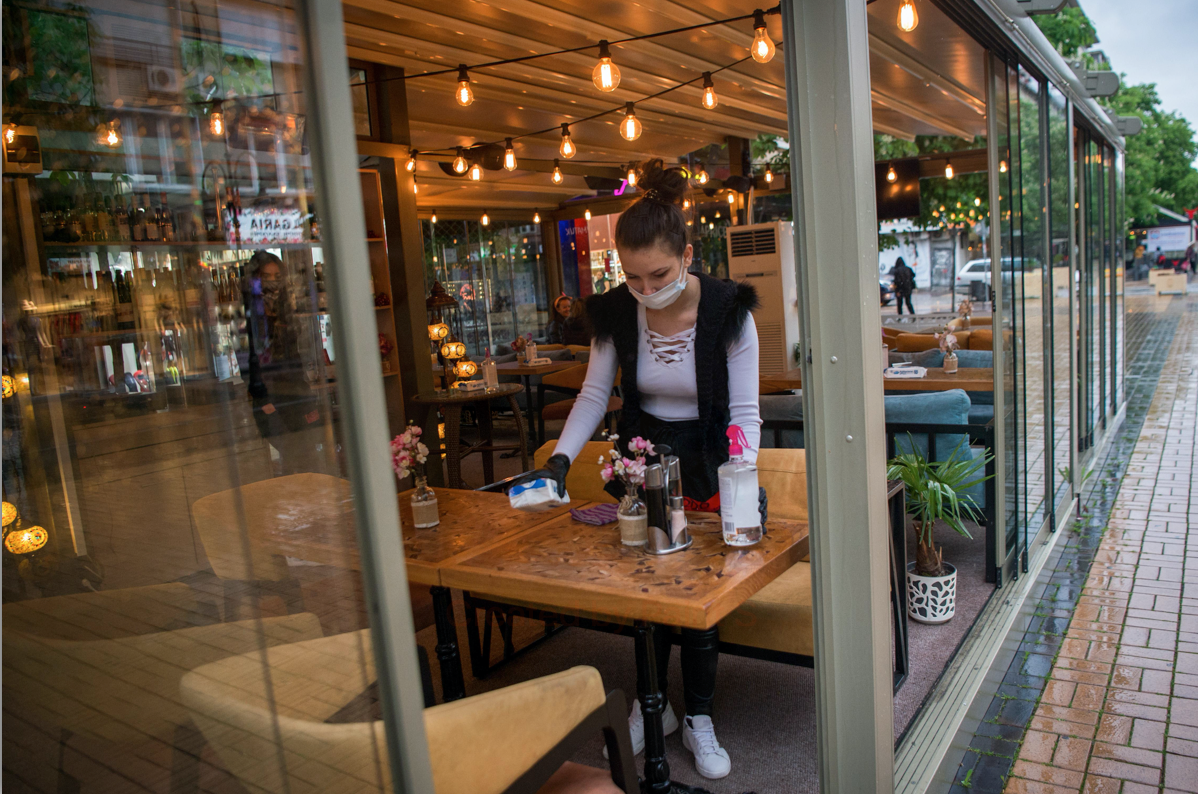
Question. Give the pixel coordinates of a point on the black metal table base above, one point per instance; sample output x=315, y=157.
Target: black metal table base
x=453, y=684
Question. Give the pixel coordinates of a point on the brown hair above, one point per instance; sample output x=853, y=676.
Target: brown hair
x=657, y=217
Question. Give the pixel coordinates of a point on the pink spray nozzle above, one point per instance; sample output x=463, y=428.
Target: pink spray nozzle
x=736, y=440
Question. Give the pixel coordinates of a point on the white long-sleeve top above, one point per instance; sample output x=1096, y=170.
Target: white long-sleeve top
x=665, y=380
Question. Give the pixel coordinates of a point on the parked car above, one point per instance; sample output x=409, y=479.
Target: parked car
x=887, y=290
x=979, y=270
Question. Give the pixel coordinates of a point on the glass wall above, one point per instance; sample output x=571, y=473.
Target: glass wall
x=176, y=507
x=1059, y=292
x=1119, y=240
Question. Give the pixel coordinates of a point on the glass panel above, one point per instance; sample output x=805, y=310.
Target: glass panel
x=357, y=83
x=1094, y=286
x=1060, y=287
x=1119, y=225
x=173, y=453
x=1106, y=275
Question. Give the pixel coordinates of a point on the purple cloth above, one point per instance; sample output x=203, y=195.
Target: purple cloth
x=597, y=515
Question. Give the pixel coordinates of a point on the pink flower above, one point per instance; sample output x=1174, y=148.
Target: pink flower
x=607, y=473
x=635, y=471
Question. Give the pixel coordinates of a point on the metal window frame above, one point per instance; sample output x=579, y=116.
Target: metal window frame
x=828, y=101
x=376, y=510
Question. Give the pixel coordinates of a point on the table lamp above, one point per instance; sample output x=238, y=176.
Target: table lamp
x=451, y=351
x=465, y=368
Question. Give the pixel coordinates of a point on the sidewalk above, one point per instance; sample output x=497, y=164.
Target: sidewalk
x=1119, y=711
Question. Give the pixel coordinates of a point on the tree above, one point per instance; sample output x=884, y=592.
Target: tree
x=941, y=201
x=1070, y=31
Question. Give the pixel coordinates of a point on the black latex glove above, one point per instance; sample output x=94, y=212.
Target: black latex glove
x=555, y=469
x=763, y=506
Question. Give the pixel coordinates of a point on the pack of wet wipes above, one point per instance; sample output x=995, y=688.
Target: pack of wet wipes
x=905, y=372
x=536, y=495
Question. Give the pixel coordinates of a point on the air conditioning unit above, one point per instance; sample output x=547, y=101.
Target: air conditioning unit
x=763, y=255
x=162, y=78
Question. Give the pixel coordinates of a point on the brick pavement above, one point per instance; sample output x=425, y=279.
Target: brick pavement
x=1119, y=711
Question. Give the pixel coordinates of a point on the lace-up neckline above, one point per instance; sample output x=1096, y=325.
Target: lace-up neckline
x=670, y=351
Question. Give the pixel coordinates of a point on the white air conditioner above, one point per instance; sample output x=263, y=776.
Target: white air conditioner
x=763, y=255
x=162, y=78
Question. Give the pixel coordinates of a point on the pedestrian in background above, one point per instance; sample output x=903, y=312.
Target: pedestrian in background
x=904, y=285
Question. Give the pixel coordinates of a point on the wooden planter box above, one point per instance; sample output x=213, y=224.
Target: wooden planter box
x=1170, y=283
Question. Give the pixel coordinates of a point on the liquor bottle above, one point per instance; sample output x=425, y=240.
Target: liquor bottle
x=87, y=217
x=122, y=220
x=166, y=222
x=152, y=232
x=137, y=220
x=124, y=307
x=104, y=218
x=74, y=225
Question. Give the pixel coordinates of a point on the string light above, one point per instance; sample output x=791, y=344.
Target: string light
x=434, y=216
x=632, y=176
x=1002, y=166
x=464, y=94
x=731, y=198
x=686, y=204
x=587, y=214
x=415, y=187
x=762, y=48
x=216, y=119
x=710, y=100
x=630, y=127
x=891, y=174
x=568, y=149
x=606, y=75
x=459, y=163
x=486, y=219
x=717, y=215
x=536, y=216
x=977, y=201
x=557, y=174
x=411, y=165
x=908, y=17
x=948, y=169
x=509, y=155
x=109, y=135
x=702, y=219
x=769, y=176
x=10, y=133
x=702, y=177
x=476, y=173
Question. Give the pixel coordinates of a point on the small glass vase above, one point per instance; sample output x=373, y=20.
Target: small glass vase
x=950, y=363
x=964, y=322
x=633, y=518
x=424, y=505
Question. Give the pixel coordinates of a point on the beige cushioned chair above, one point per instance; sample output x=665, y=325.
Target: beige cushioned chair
x=265, y=715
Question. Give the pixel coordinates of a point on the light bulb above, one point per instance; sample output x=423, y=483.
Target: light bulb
x=630, y=127
x=216, y=120
x=769, y=176
x=415, y=187
x=762, y=48
x=710, y=100
x=557, y=174
x=702, y=177
x=948, y=169
x=1002, y=166
x=891, y=174
x=717, y=215
x=702, y=219
x=605, y=75
x=476, y=173
x=908, y=17
x=434, y=219
x=568, y=149
x=536, y=216
x=459, y=162
x=109, y=135
x=686, y=204
x=587, y=214
x=509, y=155
x=463, y=95
x=689, y=222
x=632, y=176
x=411, y=164
x=731, y=199
x=977, y=202
x=486, y=219
x=10, y=133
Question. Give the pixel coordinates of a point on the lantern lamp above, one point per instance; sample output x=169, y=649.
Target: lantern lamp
x=10, y=388
x=437, y=331
x=465, y=368
x=10, y=514
x=452, y=349
x=26, y=540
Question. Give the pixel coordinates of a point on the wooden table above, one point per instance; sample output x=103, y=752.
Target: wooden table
x=526, y=374
x=967, y=378
x=450, y=403
x=579, y=569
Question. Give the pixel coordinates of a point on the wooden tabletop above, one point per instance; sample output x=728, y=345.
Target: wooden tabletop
x=459, y=396
x=579, y=569
x=967, y=378
x=520, y=368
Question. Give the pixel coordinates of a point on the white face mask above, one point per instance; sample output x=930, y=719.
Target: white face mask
x=666, y=295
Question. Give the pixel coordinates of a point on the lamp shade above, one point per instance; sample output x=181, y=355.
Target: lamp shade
x=438, y=298
x=10, y=514
x=452, y=350
x=465, y=368
x=10, y=386
x=26, y=540
x=438, y=331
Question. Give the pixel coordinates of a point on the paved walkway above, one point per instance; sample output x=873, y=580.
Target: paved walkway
x=1119, y=711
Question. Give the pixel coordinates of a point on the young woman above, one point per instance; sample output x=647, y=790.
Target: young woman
x=687, y=347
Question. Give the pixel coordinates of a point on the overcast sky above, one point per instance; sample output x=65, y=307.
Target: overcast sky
x=1152, y=42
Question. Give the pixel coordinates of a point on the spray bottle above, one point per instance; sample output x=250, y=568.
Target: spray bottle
x=739, y=514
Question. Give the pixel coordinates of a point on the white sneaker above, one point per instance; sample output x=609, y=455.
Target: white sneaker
x=698, y=736
x=636, y=726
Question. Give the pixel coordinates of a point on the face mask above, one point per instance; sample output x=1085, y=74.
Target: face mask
x=664, y=296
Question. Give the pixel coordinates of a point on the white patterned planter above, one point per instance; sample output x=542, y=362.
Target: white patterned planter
x=931, y=599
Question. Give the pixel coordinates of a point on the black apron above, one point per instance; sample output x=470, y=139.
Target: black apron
x=700, y=476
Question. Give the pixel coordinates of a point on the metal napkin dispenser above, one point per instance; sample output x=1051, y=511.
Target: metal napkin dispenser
x=667, y=517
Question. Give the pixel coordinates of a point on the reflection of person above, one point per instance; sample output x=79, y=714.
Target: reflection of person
x=904, y=285
x=286, y=410
x=577, y=327
x=687, y=347
x=556, y=330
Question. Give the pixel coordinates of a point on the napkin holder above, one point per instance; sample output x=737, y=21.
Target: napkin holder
x=470, y=385
x=538, y=362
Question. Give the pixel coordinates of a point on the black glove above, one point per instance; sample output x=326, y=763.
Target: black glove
x=555, y=469
x=763, y=506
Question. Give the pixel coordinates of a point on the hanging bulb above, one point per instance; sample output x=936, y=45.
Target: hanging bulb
x=717, y=215
x=631, y=177
x=731, y=198
x=702, y=177
x=769, y=176
x=459, y=163
x=568, y=149
x=509, y=155
x=476, y=173
x=606, y=75
x=415, y=187
x=686, y=204
x=109, y=135
x=710, y=100
x=908, y=17
x=948, y=169
x=463, y=95
x=216, y=119
x=702, y=219
x=411, y=164
x=977, y=202
x=762, y=48
x=434, y=216
x=557, y=174
x=630, y=127
x=1002, y=166
x=587, y=214
x=536, y=216
x=891, y=174
x=486, y=219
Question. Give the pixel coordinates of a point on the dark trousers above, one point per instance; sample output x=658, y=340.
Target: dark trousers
x=899, y=298
x=700, y=655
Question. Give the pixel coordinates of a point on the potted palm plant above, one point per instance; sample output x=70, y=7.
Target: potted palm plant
x=935, y=494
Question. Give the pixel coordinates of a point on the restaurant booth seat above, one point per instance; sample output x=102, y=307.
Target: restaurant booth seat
x=289, y=703
x=915, y=343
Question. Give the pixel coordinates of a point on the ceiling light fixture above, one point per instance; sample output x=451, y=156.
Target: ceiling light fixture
x=710, y=100
x=568, y=149
x=476, y=173
x=536, y=216
x=891, y=174
x=557, y=174
x=216, y=119
x=948, y=169
x=908, y=17
x=486, y=219
x=459, y=162
x=509, y=155
x=769, y=176
x=605, y=75
x=630, y=127
x=464, y=94
x=762, y=49
x=411, y=164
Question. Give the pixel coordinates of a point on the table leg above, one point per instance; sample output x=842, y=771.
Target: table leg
x=453, y=443
x=657, y=768
x=528, y=414
x=520, y=433
x=453, y=685
x=486, y=431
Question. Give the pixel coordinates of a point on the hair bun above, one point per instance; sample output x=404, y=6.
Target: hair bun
x=661, y=184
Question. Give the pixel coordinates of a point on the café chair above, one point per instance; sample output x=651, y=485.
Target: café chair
x=569, y=381
x=266, y=715
x=105, y=666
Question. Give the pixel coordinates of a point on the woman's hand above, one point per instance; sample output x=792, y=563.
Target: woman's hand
x=555, y=469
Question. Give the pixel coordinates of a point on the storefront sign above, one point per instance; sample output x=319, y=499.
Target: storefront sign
x=267, y=226
x=1168, y=238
